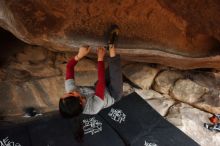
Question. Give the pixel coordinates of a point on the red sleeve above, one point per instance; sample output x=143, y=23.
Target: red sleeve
x=70, y=68
x=100, y=86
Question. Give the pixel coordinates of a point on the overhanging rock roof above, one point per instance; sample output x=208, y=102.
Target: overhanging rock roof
x=183, y=34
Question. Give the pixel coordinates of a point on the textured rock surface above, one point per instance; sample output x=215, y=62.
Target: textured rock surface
x=159, y=102
x=42, y=94
x=165, y=80
x=159, y=31
x=127, y=89
x=188, y=91
x=203, y=97
x=34, y=77
x=190, y=120
x=140, y=74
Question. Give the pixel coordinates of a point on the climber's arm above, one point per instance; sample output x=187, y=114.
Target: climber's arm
x=100, y=87
x=70, y=73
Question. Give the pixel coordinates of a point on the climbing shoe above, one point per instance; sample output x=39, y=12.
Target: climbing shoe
x=112, y=36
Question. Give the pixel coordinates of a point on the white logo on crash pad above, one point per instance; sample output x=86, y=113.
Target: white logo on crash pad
x=117, y=115
x=149, y=144
x=7, y=142
x=91, y=126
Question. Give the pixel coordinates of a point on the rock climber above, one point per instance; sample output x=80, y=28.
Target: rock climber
x=108, y=89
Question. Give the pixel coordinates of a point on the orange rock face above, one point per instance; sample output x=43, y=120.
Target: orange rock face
x=173, y=31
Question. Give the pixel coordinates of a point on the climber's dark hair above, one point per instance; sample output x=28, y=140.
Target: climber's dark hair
x=70, y=107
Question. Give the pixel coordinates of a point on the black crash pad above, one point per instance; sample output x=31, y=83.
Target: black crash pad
x=53, y=131
x=130, y=121
x=98, y=133
x=138, y=123
x=56, y=131
x=15, y=135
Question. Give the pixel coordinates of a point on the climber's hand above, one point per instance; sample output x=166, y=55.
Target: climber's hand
x=101, y=53
x=83, y=51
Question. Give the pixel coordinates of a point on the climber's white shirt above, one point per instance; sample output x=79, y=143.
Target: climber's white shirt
x=93, y=103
